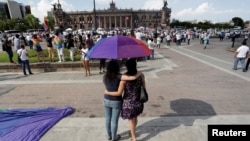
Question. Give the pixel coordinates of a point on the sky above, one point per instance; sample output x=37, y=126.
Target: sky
x=182, y=10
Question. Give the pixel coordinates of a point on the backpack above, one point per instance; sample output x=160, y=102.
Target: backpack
x=4, y=47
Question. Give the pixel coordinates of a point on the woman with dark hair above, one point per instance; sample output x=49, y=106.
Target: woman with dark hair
x=131, y=106
x=85, y=58
x=49, y=40
x=113, y=104
x=70, y=46
x=38, y=48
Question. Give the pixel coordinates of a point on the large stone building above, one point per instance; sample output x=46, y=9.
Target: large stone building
x=111, y=18
x=12, y=9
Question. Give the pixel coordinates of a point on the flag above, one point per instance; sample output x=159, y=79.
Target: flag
x=29, y=124
x=45, y=24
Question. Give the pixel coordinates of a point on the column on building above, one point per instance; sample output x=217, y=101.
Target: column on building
x=115, y=22
x=131, y=22
x=120, y=22
x=99, y=21
x=109, y=22
x=126, y=23
x=105, y=23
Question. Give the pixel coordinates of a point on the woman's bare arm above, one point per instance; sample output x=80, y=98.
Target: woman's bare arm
x=129, y=78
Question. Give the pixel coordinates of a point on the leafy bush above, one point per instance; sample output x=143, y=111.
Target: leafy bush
x=33, y=56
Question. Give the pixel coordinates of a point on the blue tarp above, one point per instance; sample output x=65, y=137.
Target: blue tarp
x=29, y=124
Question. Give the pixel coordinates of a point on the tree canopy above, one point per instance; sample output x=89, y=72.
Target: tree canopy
x=238, y=22
x=28, y=22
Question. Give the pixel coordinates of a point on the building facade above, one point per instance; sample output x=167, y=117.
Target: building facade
x=11, y=10
x=111, y=18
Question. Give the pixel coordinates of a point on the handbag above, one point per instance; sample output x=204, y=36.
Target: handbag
x=143, y=95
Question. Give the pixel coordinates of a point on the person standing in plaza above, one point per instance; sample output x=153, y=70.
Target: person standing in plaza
x=25, y=60
x=102, y=65
x=38, y=48
x=132, y=33
x=138, y=35
x=58, y=42
x=70, y=46
x=201, y=36
x=29, y=39
x=151, y=46
x=240, y=55
x=85, y=59
x=114, y=84
x=168, y=39
x=233, y=36
x=205, y=40
x=89, y=41
x=131, y=106
x=158, y=42
x=7, y=47
x=17, y=46
x=188, y=38
x=50, y=47
x=178, y=38
x=248, y=62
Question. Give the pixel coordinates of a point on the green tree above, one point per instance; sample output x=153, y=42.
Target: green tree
x=238, y=22
x=2, y=25
x=11, y=23
x=51, y=22
x=32, y=21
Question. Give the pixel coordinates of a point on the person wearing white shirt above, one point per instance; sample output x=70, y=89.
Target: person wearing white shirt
x=17, y=46
x=240, y=55
x=151, y=46
x=138, y=35
x=188, y=38
x=29, y=39
x=168, y=38
x=85, y=59
x=178, y=38
x=158, y=42
x=25, y=60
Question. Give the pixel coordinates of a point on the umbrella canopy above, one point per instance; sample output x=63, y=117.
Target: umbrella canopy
x=118, y=47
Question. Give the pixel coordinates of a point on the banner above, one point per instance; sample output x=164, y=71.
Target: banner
x=45, y=24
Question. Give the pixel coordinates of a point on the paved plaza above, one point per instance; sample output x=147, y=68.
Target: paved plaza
x=189, y=88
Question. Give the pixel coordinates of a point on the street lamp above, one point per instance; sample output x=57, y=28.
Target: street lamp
x=95, y=15
x=19, y=22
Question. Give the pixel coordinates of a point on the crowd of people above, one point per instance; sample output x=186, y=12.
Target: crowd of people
x=121, y=94
x=82, y=42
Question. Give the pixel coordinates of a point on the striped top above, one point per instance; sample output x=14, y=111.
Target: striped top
x=58, y=42
x=36, y=42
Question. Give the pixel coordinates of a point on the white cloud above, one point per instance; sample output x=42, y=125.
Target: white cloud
x=153, y=4
x=206, y=11
x=201, y=9
x=41, y=8
x=103, y=1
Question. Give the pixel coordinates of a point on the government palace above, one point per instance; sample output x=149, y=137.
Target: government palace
x=111, y=18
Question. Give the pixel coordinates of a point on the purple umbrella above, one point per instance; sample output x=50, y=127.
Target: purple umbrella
x=118, y=47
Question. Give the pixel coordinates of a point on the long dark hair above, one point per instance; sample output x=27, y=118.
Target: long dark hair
x=131, y=67
x=113, y=69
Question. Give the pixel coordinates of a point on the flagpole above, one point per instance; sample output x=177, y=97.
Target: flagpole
x=95, y=15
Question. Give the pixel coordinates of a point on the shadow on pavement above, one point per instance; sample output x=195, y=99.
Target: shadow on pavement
x=11, y=76
x=192, y=109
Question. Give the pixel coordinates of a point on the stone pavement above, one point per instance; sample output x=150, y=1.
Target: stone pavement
x=189, y=88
